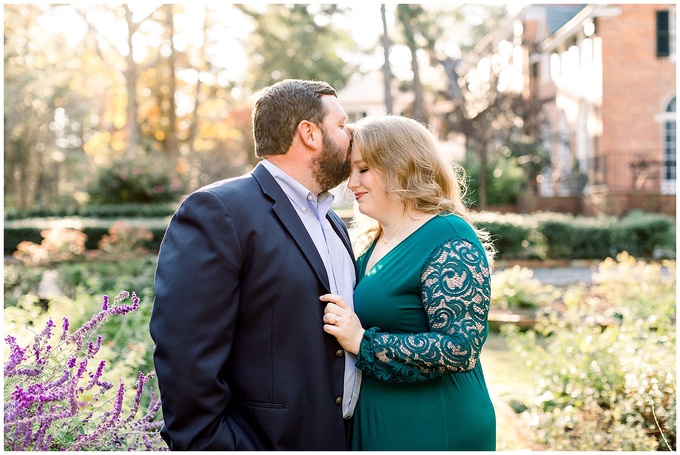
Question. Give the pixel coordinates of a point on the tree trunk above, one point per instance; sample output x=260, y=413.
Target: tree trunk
x=483, y=166
x=170, y=142
x=406, y=16
x=131, y=125
x=387, y=70
x=193, y=128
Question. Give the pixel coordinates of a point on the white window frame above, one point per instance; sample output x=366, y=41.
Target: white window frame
x=668, y=121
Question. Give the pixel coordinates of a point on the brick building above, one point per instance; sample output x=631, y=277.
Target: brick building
x=605, y=76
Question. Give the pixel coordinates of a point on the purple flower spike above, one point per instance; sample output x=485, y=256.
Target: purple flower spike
x=64, y=328
x=122, y=295
x=93, y=348
x=16, y=355
x=52, y=390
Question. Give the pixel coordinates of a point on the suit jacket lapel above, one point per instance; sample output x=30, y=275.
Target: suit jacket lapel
x=291, y=221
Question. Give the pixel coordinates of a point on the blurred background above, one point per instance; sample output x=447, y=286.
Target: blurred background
x=563, y=115
x=551, y=107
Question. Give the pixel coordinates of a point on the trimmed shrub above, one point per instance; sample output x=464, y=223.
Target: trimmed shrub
x=130, y=210
x=541, y=235
x=30, y=230
x=645, y=234
x=146, y=177
x=514, y=236
x=570, y=237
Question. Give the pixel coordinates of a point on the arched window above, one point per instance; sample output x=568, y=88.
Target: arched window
x=668, y=176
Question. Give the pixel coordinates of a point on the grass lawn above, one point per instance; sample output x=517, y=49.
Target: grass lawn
x=509, y=381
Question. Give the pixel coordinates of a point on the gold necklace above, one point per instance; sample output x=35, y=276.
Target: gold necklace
x=385, y=241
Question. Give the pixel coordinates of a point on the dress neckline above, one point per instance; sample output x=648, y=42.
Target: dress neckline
x=370, y=249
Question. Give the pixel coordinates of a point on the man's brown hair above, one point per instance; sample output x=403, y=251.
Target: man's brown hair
x=279, y=109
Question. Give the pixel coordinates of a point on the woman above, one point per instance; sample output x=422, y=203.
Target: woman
x=423, y=297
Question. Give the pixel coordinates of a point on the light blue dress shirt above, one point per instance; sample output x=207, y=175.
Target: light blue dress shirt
x=339, y=266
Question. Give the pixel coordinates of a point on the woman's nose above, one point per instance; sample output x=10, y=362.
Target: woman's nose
x=353, y=181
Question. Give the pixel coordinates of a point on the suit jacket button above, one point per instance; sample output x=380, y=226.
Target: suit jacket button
x=338, y=401
x=339, y=353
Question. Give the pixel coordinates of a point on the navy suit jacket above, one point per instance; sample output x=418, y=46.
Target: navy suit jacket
x=241, y=356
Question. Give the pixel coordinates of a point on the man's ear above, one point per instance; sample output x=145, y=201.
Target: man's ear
x=310, y=134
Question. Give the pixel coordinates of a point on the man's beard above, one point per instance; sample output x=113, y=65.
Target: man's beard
x=331, y=168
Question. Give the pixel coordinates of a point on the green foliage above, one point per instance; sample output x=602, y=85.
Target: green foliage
x=20, y=280
x=645, y=234
x=643, y=291
x=514, y=236
x=17, y=231
x=129, y=340
x=504, y=180
x=127, y=346
x=15, y=234
x=516, y=288
x=297, y=41
x=569, y=237
x=540, y=235
x=603, y=385
x=128, y=210
x=140, y=178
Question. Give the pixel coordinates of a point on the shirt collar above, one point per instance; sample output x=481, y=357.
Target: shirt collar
x=298, y=194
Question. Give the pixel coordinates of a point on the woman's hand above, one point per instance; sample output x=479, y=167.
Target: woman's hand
x=341, y=322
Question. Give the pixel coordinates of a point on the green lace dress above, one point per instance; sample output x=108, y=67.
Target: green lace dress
x=425, y=307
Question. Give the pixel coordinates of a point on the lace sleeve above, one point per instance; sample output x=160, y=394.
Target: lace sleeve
x=455, y=290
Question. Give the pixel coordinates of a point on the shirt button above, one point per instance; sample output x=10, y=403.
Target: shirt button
x=310, y=197
x=339, y=353
x=338, y=401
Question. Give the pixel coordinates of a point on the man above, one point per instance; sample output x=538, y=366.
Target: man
x=241, y=356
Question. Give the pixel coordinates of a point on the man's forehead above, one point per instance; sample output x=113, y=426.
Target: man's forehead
x=333, y=106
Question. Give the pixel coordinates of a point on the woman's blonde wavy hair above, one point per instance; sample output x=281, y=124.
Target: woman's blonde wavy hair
x=407, y=156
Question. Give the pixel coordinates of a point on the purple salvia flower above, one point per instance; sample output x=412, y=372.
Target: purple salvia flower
x=18, y=396
x=33, y=413
x=108, y=422
x=42, y=337
x=64, y=328
x=35, y=388
x=39, y=436
x=62, y=380
x=46, y=355
x=122, y=295
x=105, y=385
x=30, y=372
x=93, y=348
x=29, y=433
x=78, y=336
x=81, y=369
x=154, y=407
x=94, y=377
x=138, y=398
x=16, y=355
